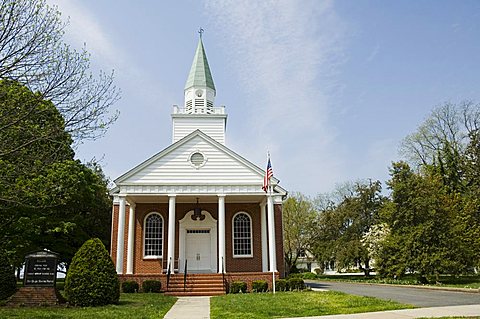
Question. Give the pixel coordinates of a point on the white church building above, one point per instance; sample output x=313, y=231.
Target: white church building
x=195, y=216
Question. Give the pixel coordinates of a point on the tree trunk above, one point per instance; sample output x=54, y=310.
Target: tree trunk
x=366, y=269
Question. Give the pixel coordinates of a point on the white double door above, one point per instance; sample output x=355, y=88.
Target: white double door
x=198, y=243
x=198, y=250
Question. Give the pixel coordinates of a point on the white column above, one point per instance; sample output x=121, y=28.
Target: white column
x=131, y=238
x=263, y=225
x=271, y=235
x=120, y=235
x=171, y=231
x=221, y=233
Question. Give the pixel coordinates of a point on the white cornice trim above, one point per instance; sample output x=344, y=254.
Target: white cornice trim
x=195, y=189
x=199, y=115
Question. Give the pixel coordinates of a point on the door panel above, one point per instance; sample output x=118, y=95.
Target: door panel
x=198, y=250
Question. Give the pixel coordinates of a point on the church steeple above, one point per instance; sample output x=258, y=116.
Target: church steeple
x=198, y=112
x=200, y=75
x=199, y=90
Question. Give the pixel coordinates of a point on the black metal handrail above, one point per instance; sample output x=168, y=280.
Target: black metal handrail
x=185, y=277
x=169, y=272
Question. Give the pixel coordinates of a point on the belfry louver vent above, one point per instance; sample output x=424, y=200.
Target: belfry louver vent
x=189, y=107
x=199, y=103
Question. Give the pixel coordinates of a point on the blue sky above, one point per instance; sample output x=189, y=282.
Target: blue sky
x=330, y=88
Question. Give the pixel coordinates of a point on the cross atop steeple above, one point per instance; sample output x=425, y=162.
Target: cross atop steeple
x=201, y=32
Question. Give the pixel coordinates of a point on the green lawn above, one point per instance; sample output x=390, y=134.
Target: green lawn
x=143, y=305
x=445, y=280
x=295, y=304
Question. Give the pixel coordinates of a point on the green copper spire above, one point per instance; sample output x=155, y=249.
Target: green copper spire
x=200, y=75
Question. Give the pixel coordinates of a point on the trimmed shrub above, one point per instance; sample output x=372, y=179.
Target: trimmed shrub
x=91, y=279
x=130, y=286
x=8, y=282
x=309, y=275
x=259, y=286
x=281, y=285
x=151, y=286
x=295, y=283
x=238, y=286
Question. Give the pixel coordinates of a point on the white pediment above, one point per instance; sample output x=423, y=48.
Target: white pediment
x=173, y=166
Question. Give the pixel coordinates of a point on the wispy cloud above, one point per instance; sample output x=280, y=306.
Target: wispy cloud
x=286, y=55
x=84, y=29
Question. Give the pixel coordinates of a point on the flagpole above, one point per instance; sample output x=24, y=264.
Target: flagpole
x=275, y=266
x=272, y=214
x=267, y=187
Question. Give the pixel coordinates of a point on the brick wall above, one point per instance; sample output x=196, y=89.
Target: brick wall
x=155, y=266
x=243, y=264
x=279, y=240
x=113, y=244
x=250, y=277
x=140, y=278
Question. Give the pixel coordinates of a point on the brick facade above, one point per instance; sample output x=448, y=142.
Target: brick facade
x=153, y=267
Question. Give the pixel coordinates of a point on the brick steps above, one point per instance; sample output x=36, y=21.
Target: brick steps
x=196, y=285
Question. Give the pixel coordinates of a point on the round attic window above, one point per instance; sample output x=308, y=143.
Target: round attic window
x=197, y=159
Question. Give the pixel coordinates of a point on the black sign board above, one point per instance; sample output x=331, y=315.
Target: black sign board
x=40, y=269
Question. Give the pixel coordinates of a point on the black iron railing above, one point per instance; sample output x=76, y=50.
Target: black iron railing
x=185, y=277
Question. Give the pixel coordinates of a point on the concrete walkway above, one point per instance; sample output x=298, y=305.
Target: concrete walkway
x=433, y=312
x=190, y=308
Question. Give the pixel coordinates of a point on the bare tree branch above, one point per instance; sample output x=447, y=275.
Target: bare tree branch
x=32, y=52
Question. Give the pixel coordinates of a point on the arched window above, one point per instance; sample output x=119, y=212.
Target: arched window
x=153, y=236
x=242, y=235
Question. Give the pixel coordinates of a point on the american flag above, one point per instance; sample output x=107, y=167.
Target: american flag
x=268, y=175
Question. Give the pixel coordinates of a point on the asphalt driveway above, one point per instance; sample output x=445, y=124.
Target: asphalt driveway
x=419, y=297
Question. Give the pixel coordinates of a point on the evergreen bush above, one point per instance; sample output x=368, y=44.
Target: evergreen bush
x=130, y=286
x=259, y=286
x=309, y=275
x=91, y=278
x=151, y=286
x=238, y=286
x=295, y=283
x=281, y=285
x=8, y=282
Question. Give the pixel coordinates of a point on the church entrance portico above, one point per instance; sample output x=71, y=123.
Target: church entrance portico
x=198, y=243
x=197, y=207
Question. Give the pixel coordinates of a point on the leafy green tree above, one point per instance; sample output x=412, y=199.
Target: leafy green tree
x=47, y=199
x=445, y=149
x=91, y=279
x=421, y=219
x=33, y=52
x=468, y=220
x=298, y=226
x=342, y=228
x=32, y=131
x=68, y=203
x=8, y=283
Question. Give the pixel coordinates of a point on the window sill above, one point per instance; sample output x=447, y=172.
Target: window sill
x=152, y=257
